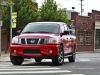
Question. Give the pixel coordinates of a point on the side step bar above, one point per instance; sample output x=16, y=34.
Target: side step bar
x=67, y=56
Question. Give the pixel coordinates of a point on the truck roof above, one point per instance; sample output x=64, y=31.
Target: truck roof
x=48, y=22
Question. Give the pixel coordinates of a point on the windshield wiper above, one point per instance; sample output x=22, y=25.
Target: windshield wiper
x=43, y=32
x=36, y=32
x=28, y=32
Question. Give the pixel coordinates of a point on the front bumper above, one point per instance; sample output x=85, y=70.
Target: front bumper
x=18, y=50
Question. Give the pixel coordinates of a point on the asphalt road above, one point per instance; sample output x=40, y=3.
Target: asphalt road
x=86, y=64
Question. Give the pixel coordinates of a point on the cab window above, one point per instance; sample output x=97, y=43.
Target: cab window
x=62, y=28
x=65, y=26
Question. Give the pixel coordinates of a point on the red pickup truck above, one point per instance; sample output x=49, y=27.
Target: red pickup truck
x=43, y=40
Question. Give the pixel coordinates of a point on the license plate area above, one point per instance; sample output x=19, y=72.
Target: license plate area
x=31, y=51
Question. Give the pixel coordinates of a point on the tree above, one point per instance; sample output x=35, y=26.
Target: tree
x=26, y=12
x=49, y=11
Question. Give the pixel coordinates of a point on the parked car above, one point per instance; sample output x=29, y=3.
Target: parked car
x=43, y=40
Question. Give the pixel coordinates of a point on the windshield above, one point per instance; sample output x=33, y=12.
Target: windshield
x=41, y=28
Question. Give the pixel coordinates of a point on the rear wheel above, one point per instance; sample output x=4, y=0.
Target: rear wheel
x=58, y=60
x=38, y=59
x=73, y=57
x=16, y=60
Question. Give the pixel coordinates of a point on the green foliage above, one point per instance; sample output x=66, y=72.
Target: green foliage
x=50, y=12
x=26, y=12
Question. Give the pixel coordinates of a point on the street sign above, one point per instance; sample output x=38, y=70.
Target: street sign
x=73, y=30
x=14, y=16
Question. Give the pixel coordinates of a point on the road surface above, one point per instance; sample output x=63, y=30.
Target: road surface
x=86, y=64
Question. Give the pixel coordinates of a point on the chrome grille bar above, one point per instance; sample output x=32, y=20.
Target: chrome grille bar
x=37, y=43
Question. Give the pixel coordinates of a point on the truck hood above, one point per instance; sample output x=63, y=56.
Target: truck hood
x=37, y=35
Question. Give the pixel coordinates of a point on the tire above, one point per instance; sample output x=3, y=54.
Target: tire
x=73, y=57
x=16, y=60
x=38, y=59
x=58, y=60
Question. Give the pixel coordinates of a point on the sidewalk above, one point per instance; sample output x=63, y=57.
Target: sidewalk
x=4, y=57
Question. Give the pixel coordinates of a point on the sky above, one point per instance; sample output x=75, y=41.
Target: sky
x=88, y=5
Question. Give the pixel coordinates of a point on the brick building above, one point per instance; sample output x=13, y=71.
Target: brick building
x=87, y=31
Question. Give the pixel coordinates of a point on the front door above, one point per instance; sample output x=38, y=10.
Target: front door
x=97, y=39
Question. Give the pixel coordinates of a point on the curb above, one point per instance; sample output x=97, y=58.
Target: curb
x=88, y=52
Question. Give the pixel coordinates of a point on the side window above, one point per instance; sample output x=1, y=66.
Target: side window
x=62, y=28
x=65, y=26
x=80, y=37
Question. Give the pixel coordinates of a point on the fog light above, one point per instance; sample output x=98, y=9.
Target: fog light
x=14, y=51
x=50, y=51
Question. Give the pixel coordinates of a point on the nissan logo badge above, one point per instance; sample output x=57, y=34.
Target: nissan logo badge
x=32, y=41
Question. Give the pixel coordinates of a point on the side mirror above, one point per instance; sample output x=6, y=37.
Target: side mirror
x=66, y=33
x=18, y=32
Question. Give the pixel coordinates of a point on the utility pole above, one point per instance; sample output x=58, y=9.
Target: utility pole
x=81, y=6
x=11, y=4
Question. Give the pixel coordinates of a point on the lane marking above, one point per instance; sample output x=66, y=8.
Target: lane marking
x=72, y=74
x=31, y=72
x=5, y=65
x=84, y=59
x=47, y=60
x=51, y=60
x=2, y=66
x=87, y=68
x=66, y=60
x=27, y=69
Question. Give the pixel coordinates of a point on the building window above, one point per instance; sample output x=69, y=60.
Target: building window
x=80, y=37
x=88, y=38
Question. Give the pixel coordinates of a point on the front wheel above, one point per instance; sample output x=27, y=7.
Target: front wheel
x=16, y=60
x=58, y=60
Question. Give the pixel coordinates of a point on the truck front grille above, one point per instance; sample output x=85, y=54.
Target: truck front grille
x=32, y=41
x=23, y=41
x=31, y=51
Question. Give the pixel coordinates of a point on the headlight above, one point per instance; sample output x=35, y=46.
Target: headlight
x=15, y=40
x=53, y=40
